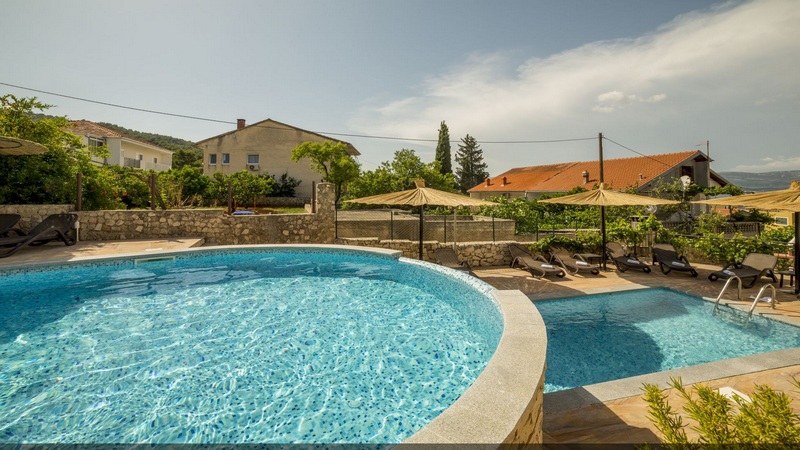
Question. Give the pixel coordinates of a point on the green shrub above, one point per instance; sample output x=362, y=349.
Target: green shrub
x=767, y=421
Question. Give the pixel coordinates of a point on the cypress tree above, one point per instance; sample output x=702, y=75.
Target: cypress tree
x=443, y=150
x=471, y=170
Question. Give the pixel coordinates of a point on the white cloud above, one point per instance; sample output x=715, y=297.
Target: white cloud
x=771, y=165
x=615, y=100
x=720, y=74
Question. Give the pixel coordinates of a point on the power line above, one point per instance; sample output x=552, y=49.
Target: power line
x=119, y=106
x=228, y=122
x=634, y=151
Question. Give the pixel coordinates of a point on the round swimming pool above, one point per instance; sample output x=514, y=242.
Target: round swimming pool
x=256, y=346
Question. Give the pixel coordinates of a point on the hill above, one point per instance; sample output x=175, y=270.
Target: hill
x=762, y=182
x=167, y=142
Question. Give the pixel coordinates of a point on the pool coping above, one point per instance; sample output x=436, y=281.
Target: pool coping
x=607, y=391
x=504, y=404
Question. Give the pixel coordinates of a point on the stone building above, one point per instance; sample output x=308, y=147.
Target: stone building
x=264, y=148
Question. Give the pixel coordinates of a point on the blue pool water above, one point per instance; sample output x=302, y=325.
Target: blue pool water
x=250, y=347
x=612, y=336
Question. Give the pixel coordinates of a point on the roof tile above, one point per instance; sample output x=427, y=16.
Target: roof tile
x=619, y=173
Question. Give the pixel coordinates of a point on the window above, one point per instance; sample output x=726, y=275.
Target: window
x=252, y=159
x=212, y=159
x=139, y=156
x=94, y=143
x=688, y=171
x=226, y=158
x=781, y=221
x=155, y=160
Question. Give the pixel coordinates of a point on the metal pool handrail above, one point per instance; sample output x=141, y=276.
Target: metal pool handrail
x=758, y=297
x=724, y=288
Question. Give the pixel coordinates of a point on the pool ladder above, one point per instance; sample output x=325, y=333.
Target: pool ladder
x=739, y=294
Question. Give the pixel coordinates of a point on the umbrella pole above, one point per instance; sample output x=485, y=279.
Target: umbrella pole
x=420, y=232
x=455, y=218
x=603, y=232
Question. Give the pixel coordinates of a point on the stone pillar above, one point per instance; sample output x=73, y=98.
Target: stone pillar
x=326, y=214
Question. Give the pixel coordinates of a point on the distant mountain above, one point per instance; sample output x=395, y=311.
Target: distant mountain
x=762, y=182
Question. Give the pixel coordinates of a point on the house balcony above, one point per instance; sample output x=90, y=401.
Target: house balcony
x=145, y=165
x=132, y=162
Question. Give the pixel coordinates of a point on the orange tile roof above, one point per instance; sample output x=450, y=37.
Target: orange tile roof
x=86, y=128
x=617, y=173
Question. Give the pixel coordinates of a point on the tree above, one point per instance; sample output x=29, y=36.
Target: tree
x=49, y=177
x=187, y=157
x=471, y=169
x=247, y=187
x=284, y=185
x=399, y=175
x=443, y=150
x=332, y=161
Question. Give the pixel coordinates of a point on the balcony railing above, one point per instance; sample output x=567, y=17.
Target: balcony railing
x=132, y=162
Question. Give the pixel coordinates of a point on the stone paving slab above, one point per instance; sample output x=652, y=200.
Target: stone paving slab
x=56, y=252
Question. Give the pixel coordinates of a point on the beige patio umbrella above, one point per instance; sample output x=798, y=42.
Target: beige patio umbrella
x=17, y=146
x=782, y=200
x=421, y=196
x=603, y=197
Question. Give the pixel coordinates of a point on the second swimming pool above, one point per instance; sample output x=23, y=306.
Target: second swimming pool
x=607, y=337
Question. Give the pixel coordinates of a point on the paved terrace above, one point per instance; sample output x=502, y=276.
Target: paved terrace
x=611, y=412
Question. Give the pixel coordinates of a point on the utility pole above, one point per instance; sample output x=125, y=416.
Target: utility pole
x=602, y=208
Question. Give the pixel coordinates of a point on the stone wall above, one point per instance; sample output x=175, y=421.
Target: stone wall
x=477, y=254
x=33, y=214
x=212, y=224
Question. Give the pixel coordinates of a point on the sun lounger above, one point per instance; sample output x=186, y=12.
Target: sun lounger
x=571, y=263
x=754, y=266
x=7, y=222
x=536, y=265
x=668, y=259
x=52, y=228
x=447, y=257
x=623, y=260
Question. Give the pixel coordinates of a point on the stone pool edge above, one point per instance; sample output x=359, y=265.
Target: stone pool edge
x=504, y=405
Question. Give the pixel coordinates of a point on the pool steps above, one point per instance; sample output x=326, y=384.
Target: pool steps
x=772, y=300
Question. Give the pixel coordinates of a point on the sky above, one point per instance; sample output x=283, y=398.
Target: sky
x=533, y=81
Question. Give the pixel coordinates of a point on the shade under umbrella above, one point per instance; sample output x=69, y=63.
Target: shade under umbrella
x=782, y=200
x=16, y=146
x=421, y=196
x=603, y=197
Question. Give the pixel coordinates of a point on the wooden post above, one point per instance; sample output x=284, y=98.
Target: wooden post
x=313, y=197
x=420, y=231
x=230, y=197
x=79, y=192
x=153, y=191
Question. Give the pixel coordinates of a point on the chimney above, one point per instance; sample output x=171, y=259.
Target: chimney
x=585, y=176
x=240, y=124
x=505, y=182
x=641, y=176
x=488, y=183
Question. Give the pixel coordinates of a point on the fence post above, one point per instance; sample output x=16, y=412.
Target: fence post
x=445, y=227
x=313, y=197
x=391, y=224
x=153, y=191
x=335, y=221
x=493, y=227
x=79, y=193
x=230, y=197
